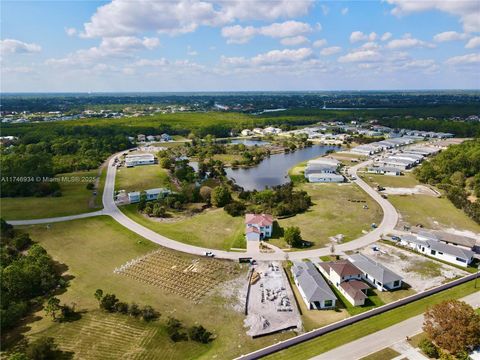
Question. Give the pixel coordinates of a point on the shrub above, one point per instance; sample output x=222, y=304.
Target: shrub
x=134, y=310
x=200, y=334
x=235, y=208
x=121, y=307
x=108, y=302
x=90, y=186
x=42, y=349
x=292, y=236
x=148, y=313
x=174, y=330
x=221, y=196
x=428, y=348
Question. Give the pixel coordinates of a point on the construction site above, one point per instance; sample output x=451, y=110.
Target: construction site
x=271, y=304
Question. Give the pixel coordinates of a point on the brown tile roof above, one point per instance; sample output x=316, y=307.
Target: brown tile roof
x=354, y=289
x=344, y=268
x=259, y=219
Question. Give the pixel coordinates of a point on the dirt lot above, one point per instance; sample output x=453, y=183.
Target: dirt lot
x=419, y=189
x=271, y=306
x=418, y=271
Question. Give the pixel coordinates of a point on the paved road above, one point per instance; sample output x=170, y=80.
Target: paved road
x=384, y=338
x=55, y=219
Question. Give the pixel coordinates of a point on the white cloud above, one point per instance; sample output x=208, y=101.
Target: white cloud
x=449, y=36
x=125, y=17
x=319, y=43
x=294, y=41
x=467, y=59
x=12, y=46
x=386, y=36
x=191, y=52
x=408, y=42
x=473, y=43
x=467, y=11
x=240, y=35
x=116, y=47
x=282, y=56
x=71, y=31
x=17, y=69
x=357, y=36
x=361, y=55
x=330, y=50
x=344, y=11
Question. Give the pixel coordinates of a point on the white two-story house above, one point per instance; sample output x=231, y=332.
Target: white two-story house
x=258, y=226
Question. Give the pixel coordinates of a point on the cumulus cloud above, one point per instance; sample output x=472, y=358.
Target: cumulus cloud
x=240, y=35
x=71, y=31
x=386, y=36
x=325, y=9
x=125, y=17
x=467, y=11
x=271, y=58
x=12, y=46
x=408, y=42
x=357, y=36
x=332, y=50
x=473, y=43
x=344, y=11
x=319, y=43
x=361, y=55
x=449, y=36
x=294, y=41
x=467, y=59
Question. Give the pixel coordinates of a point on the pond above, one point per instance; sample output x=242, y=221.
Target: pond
x=274, y=170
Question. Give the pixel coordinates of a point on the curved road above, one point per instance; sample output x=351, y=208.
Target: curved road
x=390, y=218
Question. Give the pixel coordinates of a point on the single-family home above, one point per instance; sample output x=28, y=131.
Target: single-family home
x=324, y=161
x=346, y=277
x=428, y=244
x=453, y=239
x=313, y=288
x=165, y=137
x=134, y=197
x=246, y=132
x=325, y=178
x=139, y=159
x=258, y=226
x=150, y=138
x=141, y=137
x=155, y=194
x=375, y=273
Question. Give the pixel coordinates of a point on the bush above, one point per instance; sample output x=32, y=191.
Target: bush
x=90, y=186
x=200, y=334
x=43, y=348
x=235, y=208
x=221, y=196
x=134, y=310
x=108, y=302
x=293, y=237
x=174, y=330
x=22, y=241
x=148, y=313
x=121, y=307
x=428, y=348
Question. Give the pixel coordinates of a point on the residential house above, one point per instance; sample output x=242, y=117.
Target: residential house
x=428, y=244
x=258, y=226
x=150, y=138
x=376, y=274
x=325, y=178
x=313, y=288
x=140, y=137
x=165, y=137
x=390, y=171
x=154, y=194
x=246, y=132
x=346, y=277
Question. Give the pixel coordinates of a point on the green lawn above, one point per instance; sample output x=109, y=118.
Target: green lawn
x=214, y=228
x=404, y=181
x=75, y=199
x=332, y=214
x=365, y=327
x=141, y=178
x=432, y=212
x=92, y=248
x=371, y=302
x=384, y=354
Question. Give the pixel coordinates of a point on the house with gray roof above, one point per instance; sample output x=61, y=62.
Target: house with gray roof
x=376, y=274
x=313, y=288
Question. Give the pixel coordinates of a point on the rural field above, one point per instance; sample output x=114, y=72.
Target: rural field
x=75, y=199
x=98, y=335
x=140, y=178
x=333, y=212
x=405, y=181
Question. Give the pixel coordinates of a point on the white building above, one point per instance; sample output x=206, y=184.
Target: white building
x=134, y=197
x=390, y=171
x=375, y=273
x=139, y=159
x=258, y=226
x=246, y=132
x=325, y=178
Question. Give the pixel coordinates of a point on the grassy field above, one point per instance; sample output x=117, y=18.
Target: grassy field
x=75, y=199
x=432, y=212
x=384, y=354
x=141, y=178
x=214, y=229
x=404, y=181
x=332, y=214
x=92, y=248
x=365, y=327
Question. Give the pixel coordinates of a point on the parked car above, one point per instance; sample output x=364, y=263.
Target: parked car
x=396, y=238
x=209, y=254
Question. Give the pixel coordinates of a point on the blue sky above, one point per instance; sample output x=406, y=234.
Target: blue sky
x=230, y=45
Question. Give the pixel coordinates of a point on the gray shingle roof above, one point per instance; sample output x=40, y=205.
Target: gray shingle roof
x=374, y=269
x=312, y=283
x=450, y=249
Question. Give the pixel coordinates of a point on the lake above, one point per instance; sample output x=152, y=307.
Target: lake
x=274, y=170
